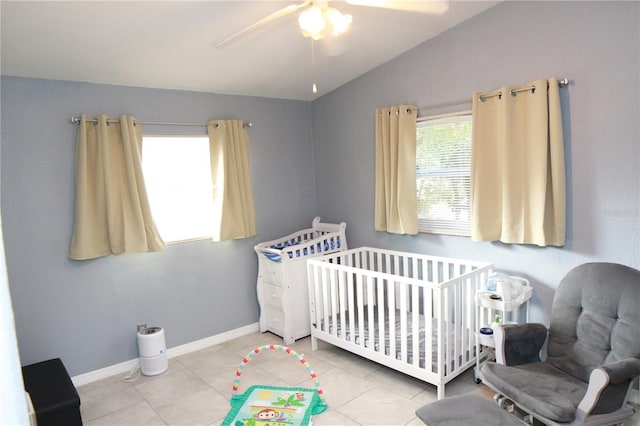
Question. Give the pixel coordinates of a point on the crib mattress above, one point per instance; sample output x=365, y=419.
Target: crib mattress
x=355, y=330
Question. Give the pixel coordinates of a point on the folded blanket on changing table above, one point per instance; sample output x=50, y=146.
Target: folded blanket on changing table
x=276, y=257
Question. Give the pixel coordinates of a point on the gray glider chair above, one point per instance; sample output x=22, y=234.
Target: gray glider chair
x=592, y=356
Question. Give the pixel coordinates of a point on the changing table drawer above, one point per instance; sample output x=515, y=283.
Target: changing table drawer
x=272, y=295
x=275, y=320
x=271, y=271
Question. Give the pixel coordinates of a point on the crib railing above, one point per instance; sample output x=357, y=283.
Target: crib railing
x=411, y=312
x=320, y=238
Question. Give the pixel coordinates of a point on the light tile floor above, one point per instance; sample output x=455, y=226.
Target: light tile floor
x=196, y=388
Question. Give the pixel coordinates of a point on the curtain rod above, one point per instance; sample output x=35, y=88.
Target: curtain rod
x=561, y=82
x=76, y=120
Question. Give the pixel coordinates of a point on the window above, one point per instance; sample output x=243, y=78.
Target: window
x=443, y=174
x=177, y=174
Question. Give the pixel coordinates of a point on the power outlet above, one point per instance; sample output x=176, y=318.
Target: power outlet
x=142, y=326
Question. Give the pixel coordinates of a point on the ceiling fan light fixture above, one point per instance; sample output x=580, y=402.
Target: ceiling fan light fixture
x=311, y=22
x=339, y=22
x=314, y=20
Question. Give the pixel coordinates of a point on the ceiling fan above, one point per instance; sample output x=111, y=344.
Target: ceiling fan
x=317, y=17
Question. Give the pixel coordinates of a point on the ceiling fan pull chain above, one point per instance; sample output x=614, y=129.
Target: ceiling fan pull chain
x=314, y=88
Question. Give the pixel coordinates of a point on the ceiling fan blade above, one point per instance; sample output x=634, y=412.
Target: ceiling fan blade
x=270, y=18
x=436, y=7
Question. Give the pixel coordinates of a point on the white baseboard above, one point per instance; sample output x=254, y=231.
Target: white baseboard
x=103, y=373
x=125, y=367
x=213, y=340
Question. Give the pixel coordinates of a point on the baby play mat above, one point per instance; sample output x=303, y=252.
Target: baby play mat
x=271, y=405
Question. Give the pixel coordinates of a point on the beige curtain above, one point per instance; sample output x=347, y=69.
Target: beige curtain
x=517, y=165
x=112, y=214
x=232, y=193
x=396, y=209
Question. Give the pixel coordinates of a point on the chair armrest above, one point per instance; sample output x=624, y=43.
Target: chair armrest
x=519, y=343
x=623, y=370
x=609, y=387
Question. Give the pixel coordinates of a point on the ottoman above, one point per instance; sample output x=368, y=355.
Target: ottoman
x=468, y=410
x=52, y=393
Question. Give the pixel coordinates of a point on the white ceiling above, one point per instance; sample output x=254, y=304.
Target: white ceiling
x=172, y=45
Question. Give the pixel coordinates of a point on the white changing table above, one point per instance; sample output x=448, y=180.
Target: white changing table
x=282, y=289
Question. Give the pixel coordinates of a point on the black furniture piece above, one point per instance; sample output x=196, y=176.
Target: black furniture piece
x=52, y=393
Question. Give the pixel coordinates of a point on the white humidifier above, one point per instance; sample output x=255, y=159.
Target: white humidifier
x=153, y=351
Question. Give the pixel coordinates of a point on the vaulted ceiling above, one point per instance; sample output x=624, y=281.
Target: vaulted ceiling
x=172, y=45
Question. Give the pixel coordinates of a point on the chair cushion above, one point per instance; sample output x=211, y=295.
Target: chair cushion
x=538, y=387
x=594, y=319
x=468, y=410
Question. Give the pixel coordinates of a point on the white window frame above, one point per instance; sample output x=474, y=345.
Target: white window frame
x=434, y=225
x=171, y=201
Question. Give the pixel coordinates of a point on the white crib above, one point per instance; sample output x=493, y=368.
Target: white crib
x=410, y=312
x=282, y=277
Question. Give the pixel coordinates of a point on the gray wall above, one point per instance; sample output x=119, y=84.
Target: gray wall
x=595, y=44
x=307, y=155
x=86, y=312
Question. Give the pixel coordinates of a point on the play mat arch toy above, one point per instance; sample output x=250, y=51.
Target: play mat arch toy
x=263, y=405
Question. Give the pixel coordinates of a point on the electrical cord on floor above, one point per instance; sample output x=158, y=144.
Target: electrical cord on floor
x=134, y=374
